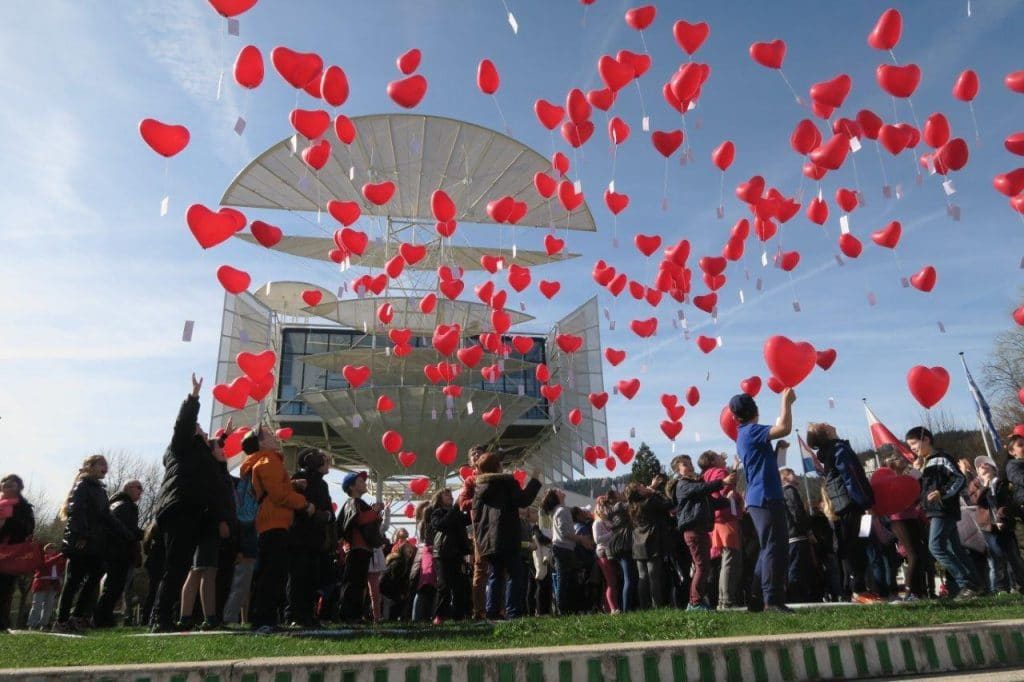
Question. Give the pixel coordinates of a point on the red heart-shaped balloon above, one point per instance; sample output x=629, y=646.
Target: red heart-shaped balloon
x=549, y=288
x=409, y=61
x=442, y=206
x=163, y=138
x=317, y=155
x=690, y=36
x=831, y=154
x=567, y=194
x=706, y=343
x=692, y=396
x=846, y=198
x=825, y=358
x=344, y=129
x=232, y=8
x=751, y=386
x=576, y=134
x=551, y=392
x=264, y=233
x=549, y=115
x=805, y=137
x=379, y=193
x=647, y=244
x=789, y=361
x=545, y=184
x=951, y=156
x=298, y=69
x=234, y=281
x=888, y=236
x=235, y=394
x=667, y=142
x=898, y=81
x=628, y=387
x=887, y=30
x=728, y=423
x=355, y=375
x=850, y=245
x=706, y=302
x=492, y=416
x=614, y=356
x=310, y=123
x=408, y=92
x=832, y=93
x=924, y=280
x=614, y=73
x=334, y=86
x=598, y=400
x=644, y=328
x=671, y=429
x=928, y=385
x=769, y=55
x=209, y=228
x=603, y=99
x=817, y=211
x=248, y=69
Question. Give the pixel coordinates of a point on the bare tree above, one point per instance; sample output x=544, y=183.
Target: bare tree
x=126, y=466
x=1003, y=375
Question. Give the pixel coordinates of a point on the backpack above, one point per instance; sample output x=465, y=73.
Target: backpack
x=246, y=503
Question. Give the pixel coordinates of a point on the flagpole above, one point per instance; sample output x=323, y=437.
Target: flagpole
x=807, y=489
x=873, y=448
x=977, y=412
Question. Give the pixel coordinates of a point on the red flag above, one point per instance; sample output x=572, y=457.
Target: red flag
x=880, y=436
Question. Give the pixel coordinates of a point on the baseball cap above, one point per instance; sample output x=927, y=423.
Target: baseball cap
x=350, y=478
x=978, y=461
x=742, y=407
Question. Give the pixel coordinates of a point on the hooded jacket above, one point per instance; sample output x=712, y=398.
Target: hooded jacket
x=126, y=511
x=448, y=526
x=650, y=525
x=183, y=488
x=723, y=513
x=1015, y=476
x=311, y=531
x=798, y=523
x=846, y=483
x=941, y=474
x=273, y=487
x=90, y=520
x=995, y=505
x=496, y=504
x=696, y=505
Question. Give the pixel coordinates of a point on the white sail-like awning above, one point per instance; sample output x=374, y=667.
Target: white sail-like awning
x=418, y=153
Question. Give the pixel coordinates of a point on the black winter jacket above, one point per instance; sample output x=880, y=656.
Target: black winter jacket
x=651, y=526
x=183, y=488
x=119, y=547
x=798, y=524
x=218, y=492
x=942, y=474
x=696, y=507
x=448, y=533
x=90, y=520
x=311, y=531
x=846, y=484
x=496, y=504
x=1015, y=476
x=20, y=526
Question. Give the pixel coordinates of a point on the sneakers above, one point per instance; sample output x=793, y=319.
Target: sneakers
x=779, y=608
x=185, y=624
x=966, y=594
x=161, y=628
x=209, y=624
x=698, y=607
x=264, y=630
x=866, y=598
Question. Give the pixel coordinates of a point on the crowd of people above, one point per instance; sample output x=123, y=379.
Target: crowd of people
x=271, y=549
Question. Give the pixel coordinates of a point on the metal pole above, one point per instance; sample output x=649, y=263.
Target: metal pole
x=977, y=412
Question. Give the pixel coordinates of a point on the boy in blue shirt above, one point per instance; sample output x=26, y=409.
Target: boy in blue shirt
x=765, y=500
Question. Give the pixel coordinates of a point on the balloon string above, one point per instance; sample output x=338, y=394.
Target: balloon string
x=893, y=55
x=664, y=188
x=791, y=89
x=856, y=176
x=504, y=123
x=899, y=265
x=977, y=133
x=881, y=164
x=721, y=191
x=643, y=107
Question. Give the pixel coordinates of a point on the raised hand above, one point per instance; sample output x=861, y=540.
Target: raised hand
x=196, y=385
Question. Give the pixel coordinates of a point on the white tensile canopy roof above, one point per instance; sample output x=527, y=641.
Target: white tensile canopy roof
x=420, y=154
x=286, y=297
x=377, y=254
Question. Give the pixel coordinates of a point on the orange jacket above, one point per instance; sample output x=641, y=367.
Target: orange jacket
x=273, y=486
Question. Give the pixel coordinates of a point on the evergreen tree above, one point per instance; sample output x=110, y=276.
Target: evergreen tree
x=645, y=465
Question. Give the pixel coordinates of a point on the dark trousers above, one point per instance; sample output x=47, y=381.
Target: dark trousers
x=853, y=550
x=630, y=580
x=271, y=576
x=303, y=582
x=452, y=588
x=769, y=582
x=80, y=586
x=353, y=585
x=699, y=544
x=113, y=588
x=7, y=583
x=1003, y=549
x=505, y=585
x=799, y=577
x=910, y=533
x=567, y=592
x=180, y=531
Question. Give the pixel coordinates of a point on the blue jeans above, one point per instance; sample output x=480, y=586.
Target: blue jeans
x=944, y=544
x=629, y=581
x=504, y=569
x=1003, y=554
x=770, y=572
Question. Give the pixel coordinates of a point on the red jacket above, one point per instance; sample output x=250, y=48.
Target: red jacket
x=49, y=577
x=724, y=514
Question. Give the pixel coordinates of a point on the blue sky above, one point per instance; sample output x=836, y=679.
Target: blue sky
x=97, y=285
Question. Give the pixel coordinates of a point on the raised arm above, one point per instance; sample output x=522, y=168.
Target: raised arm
x=784, y=424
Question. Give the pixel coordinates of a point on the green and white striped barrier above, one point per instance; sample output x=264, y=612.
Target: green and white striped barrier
x=808, y=656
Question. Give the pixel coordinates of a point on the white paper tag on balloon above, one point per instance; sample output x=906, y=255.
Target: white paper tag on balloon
x=186, y=333
x=632, y=432
x=942, y=327
x=522, y=307
x=742, y=300
x=681, y=315
x=844, y=224
x=720, y=212
x=351, y=173
x=796, y=306
x=764, y=259
x=831, y=403
x=239, y=125
x=513, y=23
x=899, y=190
x=871, y=298
x=645, y=124
x=387, y=351
x=968, y=9
x=860, y=198
x=165, y=204
x=718, y=341
x=611, y=326
x=356, y=420
x=948, y=187
x=904, y=282
x=854, y=145
x=696, y=436
x=759, y=284
x=865, y=526
x=611, y=186
x=233, y=27
x=293, y=142
x=887, y=191
x=577, y=186
x=839, y=260
x=515, y=251
x=714, y=314
x=220, y=84
x=615, y=390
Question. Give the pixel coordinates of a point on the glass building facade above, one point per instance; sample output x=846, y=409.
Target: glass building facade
x=298, y=376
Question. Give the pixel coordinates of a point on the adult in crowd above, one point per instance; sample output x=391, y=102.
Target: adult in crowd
x=307, y=539
x=423, y=578
x=89, y=523
x=359, y=525
x=648, y=511
x=850, y=496
x=800, y=576
x=696, y=518
x=941, y=485
x=395, y=583
x=17, y=523
x=910, y=530
x=179, y=504
x=542, y=560
x=45, y=587
x=247, y=508
x=996, y=519
x=1015, y=471
x=377, y=565
x=602, y=531
x=620, y=548
x=450, y=543
x=122, y=553
x=564, y=539
x=279, y=500
x=496, y=530
x=725, y=534
x=765, y=501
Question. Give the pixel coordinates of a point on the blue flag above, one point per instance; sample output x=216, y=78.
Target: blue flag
x=984, y=413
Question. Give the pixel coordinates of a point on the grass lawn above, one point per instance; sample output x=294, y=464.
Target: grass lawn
x=111, y=647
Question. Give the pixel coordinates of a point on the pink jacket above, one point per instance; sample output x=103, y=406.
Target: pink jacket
x=725, y=514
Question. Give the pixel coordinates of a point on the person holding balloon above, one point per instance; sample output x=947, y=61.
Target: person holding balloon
x=909, y=530
x=995, y=517
x=941, y=484
x=765, y=501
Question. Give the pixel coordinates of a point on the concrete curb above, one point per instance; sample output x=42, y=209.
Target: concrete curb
x=979, y=645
